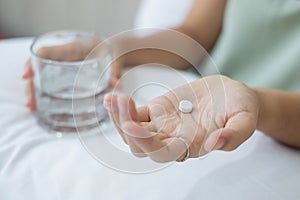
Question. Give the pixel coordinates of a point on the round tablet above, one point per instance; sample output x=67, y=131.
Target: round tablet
x=185, y=106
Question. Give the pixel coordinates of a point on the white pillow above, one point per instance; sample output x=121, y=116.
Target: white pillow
x=162, y=13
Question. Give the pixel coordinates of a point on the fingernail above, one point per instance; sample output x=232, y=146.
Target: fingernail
x=220, y=144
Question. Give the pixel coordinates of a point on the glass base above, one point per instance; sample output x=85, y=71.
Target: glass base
x=61, y=131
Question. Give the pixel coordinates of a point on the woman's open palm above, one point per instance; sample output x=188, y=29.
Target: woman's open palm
x=224, y=115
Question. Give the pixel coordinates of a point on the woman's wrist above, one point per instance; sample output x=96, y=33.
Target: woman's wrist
x=261, y=107
x=267, y=110
x=279, y=112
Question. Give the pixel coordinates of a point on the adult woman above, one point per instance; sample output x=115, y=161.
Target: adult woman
x=216, y=25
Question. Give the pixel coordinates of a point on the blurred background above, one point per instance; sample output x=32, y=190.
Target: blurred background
x=33, y=17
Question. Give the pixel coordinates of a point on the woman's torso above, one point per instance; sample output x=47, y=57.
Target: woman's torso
x=260, y=43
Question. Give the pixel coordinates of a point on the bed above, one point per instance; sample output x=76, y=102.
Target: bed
x=37, y=165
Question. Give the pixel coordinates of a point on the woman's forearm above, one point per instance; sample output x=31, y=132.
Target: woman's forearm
x=179, y=48
x=168, y=47
x=279, y=115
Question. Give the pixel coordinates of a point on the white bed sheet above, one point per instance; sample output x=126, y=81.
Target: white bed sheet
x=36, y=165
x=157, y=13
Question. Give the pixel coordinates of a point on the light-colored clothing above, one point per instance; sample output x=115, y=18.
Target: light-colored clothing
x=260, y=43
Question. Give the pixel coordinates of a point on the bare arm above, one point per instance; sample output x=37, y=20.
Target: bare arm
x=203, y=24
x=280, y=115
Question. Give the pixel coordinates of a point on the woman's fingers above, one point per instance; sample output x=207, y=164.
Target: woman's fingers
x=73, y=51
x=237, y=130
x=193, y=134
x=129, y=114
x=111, y=104
x=158, y=146
x=31, y=96
x=28, y=73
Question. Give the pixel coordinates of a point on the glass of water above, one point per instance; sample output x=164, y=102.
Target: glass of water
x=72, y=70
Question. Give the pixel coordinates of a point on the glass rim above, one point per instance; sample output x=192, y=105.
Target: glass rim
x=66, y=63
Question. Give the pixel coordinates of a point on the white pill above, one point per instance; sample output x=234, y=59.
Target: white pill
x=185, y=106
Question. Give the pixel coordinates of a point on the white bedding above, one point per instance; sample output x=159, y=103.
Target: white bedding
x=36, y=165
x=158, y=13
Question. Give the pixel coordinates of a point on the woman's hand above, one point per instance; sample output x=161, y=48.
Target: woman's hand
x=73, y=51
x=225, y=114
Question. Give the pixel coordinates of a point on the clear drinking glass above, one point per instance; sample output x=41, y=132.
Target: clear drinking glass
x=70, y=80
